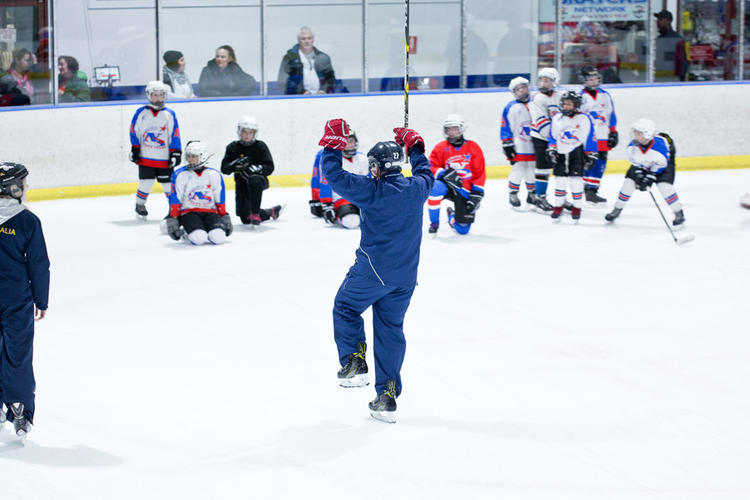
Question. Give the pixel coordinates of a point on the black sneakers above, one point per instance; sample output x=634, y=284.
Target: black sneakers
x=354, y=373
x=383, y=407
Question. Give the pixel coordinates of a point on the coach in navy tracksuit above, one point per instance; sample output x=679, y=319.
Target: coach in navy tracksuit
x=385, y=271
x=24, y=286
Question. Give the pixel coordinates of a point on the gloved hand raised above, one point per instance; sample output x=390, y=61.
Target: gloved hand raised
x=335, y=134
x=409, y=138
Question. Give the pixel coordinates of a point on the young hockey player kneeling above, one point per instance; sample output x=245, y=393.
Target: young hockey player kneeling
x=572, y=149
x=196, y=201
x=652, y=158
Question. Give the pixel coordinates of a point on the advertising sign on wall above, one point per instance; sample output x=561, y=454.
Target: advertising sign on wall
x=575, y=11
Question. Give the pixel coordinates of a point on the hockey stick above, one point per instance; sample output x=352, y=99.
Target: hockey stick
x=406, y=69
x=684, y=238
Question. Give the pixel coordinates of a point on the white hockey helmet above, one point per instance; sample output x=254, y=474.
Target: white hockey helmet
x=247, y=122
x=199, y=149
x=646, y=127
x=550, y=73
x=156, y=87
x=347, y=152
x=454, y=120
x=516, y=82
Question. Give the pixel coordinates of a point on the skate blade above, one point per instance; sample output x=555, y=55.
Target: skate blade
x=355, y=381
x=685, y=238
x=389, y=417
x=519, y=209
x=141, y=217
x=542, y=212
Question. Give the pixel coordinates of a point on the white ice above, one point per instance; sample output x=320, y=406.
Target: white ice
x=543, y=362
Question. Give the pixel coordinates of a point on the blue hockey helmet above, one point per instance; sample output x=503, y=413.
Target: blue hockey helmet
x=386, y=156
x=11, y=179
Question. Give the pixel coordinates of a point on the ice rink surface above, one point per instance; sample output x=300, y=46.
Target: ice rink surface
x=543, y=361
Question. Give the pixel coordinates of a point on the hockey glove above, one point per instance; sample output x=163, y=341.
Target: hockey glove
x=644, y=179
x=552, y=156
x=334, y=134
x=240, y=163
x=175, y=158
x=613, y=139
x=409, y=138
x=173, y=228
x=475, y=199
x=510, y=153
x=135, y=154
x=255, y=169
x=452, y=180
x=329, y=214
x=590, y=160
x=316, y=208
x=226, y=224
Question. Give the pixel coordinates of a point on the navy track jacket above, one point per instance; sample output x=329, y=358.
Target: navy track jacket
x=24, y=265
x=391, y=213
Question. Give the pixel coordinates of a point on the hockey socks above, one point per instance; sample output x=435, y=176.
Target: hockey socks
x=670, y=196
x=144, y=189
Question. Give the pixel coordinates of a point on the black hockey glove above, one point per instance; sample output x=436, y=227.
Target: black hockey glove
x=316, y=208
x=552, y=156
x=329, y=214
x=255, y=169
x=175, y=158
x=452, y=180
x=475, y=199
x=135, y=154
x=173, y=228
x=590, y=160
x=644, y=179
x=613, y=139
x=510, y=153
x=226, y=224
x=240, y=163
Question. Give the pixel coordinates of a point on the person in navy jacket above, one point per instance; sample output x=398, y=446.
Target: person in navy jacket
x=384, y=273
x=24, y=292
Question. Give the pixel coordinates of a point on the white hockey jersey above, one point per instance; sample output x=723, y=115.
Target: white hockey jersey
x=601, y=109
x=569, y=132
x=197, y=192
x=156, y=133
x=515, y=129
x=357, y=164
x=653, y=157
x=542, y=109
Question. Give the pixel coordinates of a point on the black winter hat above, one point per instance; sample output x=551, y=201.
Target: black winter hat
x=172, y=56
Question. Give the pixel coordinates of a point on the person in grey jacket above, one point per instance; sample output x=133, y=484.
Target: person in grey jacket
x=173, y=74
x=305, y=69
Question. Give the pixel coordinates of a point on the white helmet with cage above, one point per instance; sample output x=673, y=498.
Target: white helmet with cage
x=153, y=88
x=247, y=122
x=454, y=120
x=645, y=127
x=514, y=86
x=197, y=149
x=550, y=73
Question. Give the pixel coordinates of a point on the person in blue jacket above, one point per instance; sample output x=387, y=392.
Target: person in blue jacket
x=384, y=273
x=24, y=291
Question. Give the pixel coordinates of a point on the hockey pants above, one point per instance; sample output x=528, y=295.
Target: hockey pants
x=248, y=196
x=17, y=382
x=389, y=305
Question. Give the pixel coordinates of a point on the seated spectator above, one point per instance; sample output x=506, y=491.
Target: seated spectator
x=305, y=69
x=222, y=76
x=173, y=75
x=18, y=74
x=72, y=83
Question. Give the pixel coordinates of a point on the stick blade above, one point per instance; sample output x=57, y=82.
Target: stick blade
x=685, y=238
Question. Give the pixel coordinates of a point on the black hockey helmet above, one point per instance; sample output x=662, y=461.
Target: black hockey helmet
x=589, y=71
x=11, y=179
x=386, y=156
x=575, y=97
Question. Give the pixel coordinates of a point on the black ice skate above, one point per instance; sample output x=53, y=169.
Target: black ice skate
x=615, y=213
x=542, y=205
x=354, y=373
x=679, y=219
x=20, y=422
x=433, y=227
x=593, y=197
x=276, y=211
x=514, y=200
x=531, y=199
x=556, y=213
x=140, y=211
x=383, y=407
x=568, y=206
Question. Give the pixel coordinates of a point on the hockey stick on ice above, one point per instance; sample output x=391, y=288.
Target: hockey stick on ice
x=406, y=68
x=682, y=239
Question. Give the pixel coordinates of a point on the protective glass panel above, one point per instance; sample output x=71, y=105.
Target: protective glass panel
x=613, y=39
x=113, y=44
x=221, y=59
x=435, y=46
x=500, y=41
x=323, y=58
x=25, y=66
x=711, y=30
